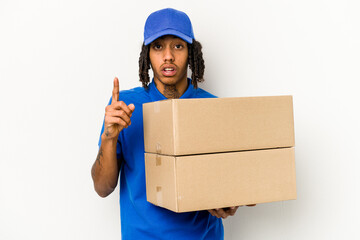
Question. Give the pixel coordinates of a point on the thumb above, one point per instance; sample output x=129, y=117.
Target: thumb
x=132, y=107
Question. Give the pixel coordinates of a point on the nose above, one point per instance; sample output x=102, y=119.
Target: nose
x=168, y=54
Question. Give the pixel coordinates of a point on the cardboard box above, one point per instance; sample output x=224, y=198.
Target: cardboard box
x=208, y=181
x=196, y=126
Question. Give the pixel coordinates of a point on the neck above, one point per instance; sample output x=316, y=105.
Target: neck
x=172, y=90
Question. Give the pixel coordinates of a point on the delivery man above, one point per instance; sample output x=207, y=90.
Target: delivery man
x=169, y=48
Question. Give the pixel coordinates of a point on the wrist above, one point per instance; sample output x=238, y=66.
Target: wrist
x=108, y=139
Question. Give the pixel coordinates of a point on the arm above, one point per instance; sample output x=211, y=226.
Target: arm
x=105, y=170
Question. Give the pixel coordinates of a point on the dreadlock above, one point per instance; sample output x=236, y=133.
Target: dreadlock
x=195, y=61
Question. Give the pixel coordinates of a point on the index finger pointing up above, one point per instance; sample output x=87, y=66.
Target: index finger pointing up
x=115, y=93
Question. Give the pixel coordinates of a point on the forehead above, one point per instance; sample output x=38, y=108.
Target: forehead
x=168, y=37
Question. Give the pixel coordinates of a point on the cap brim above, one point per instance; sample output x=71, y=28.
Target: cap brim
x=184, y=37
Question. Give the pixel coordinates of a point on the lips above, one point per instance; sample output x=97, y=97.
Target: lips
x=168, y=70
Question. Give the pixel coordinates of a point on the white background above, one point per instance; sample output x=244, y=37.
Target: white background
x=57, y=63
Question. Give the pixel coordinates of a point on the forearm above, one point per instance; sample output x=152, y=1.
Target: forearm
x=105, y=170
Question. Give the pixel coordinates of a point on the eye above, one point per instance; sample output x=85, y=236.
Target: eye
x=156, y=46
x=179, y=46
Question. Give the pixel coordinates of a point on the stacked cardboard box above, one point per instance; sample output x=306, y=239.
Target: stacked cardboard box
x=213, y=153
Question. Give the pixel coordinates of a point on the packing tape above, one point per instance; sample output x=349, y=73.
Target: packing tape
x=156, y=107
x=158, y=148
x=158, y=160
x=159, y=196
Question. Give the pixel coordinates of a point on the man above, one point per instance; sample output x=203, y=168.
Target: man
x=169, y=48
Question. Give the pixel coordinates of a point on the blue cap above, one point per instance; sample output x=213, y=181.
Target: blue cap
x=168, y=21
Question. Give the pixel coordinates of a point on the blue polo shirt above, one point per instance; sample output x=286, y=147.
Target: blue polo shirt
x=141, y=220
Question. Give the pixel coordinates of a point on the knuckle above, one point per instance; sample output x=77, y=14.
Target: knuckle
x=123, y=123
x=115, y=105
x=107, y=114
x=124, y=107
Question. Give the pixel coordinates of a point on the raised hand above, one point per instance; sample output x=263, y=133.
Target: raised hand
x=117, y=114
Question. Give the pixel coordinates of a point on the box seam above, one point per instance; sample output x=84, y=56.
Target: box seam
x=176, y=186
x=175, y=132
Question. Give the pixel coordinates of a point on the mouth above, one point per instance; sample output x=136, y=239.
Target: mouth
x=168, y=71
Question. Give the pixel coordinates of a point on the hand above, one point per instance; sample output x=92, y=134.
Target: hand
x=117, y=114
x=225, y=212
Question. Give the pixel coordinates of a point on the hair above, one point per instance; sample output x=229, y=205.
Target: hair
x=195, y=61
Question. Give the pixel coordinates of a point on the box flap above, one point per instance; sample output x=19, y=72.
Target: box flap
x=233, y=124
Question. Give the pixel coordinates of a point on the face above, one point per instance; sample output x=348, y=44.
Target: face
x=169, y=62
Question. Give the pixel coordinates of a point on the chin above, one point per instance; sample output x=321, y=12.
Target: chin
x=168, y=81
